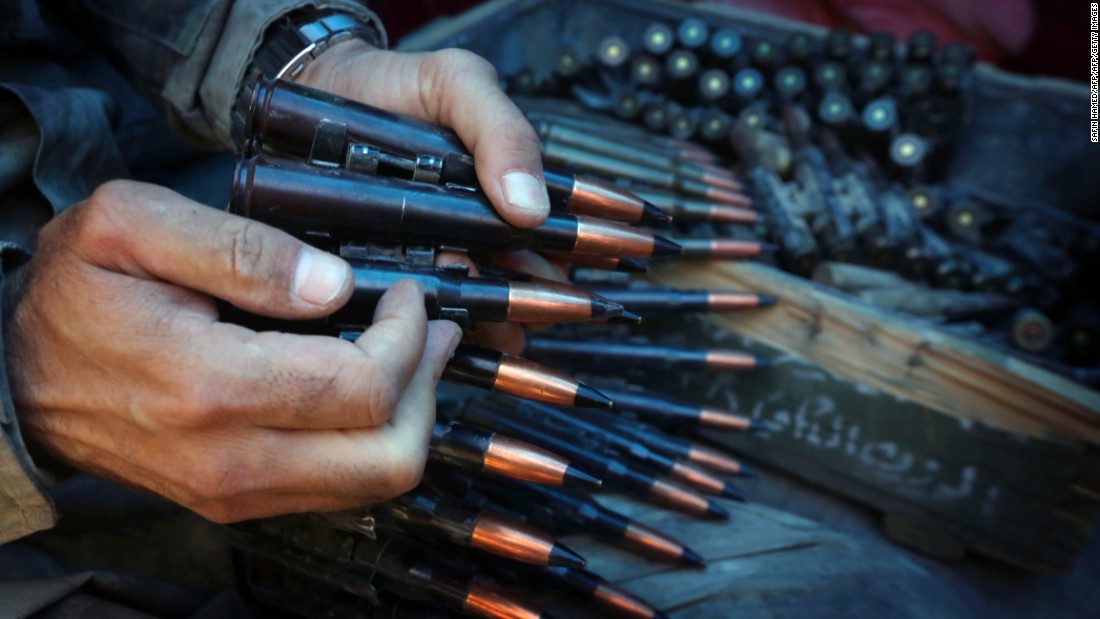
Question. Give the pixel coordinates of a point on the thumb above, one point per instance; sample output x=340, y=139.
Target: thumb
x=151, y=232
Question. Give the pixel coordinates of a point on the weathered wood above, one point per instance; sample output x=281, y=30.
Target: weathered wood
x=899, y=356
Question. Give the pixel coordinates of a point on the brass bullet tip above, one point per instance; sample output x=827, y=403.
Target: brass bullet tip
x=576, y=477
x=562, y=556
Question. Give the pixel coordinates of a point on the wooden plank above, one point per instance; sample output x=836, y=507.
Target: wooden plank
x=903, y=358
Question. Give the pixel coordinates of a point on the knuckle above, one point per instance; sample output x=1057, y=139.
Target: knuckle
x=247, y=248
x=218, y=478
x=404, y=474
x=101, y=217
x=463, y=61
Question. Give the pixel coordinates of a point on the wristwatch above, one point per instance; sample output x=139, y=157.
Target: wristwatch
x=289, y=45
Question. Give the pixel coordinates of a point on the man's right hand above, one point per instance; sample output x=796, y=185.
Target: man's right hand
x=119, y=365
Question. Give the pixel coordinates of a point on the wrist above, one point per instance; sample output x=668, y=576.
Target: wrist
x=291, y=45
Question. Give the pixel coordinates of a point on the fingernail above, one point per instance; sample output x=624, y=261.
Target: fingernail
x=525, y=192
x=320, y=276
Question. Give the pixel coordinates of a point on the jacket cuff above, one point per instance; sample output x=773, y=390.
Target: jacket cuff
x=243, y=32
x=24, y=506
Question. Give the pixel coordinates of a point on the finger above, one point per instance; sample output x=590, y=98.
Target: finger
x=280, y=380
x=366, y=465
x=151, y=232
x=504, y=336
x=461, y=90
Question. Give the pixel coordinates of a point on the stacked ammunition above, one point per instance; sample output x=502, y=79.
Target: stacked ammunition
x=831, y=149
x=507, y=471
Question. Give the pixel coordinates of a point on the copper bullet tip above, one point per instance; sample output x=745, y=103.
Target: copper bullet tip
x=491, y=601
x=720, y=213
x=575, y=477
x=731, y=361
x=724, y=420
x=562, y=556
x=722, y=181
x=765, y=300
x=624, y=604
x=587, y=397
x=603, y=308
x=653, y=215
x=692, y=558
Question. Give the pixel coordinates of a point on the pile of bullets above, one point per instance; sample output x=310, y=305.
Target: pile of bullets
x=844, y=144
x=507, y=470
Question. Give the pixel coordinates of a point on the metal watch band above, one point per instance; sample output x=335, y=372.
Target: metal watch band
x=289, y=46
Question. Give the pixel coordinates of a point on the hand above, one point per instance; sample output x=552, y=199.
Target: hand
x=460, y=90
x=456, y=89
x=119, y=366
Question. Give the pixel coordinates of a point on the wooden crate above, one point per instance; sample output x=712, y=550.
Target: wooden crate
x=960, y=447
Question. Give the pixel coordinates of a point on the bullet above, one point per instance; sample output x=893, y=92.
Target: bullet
x=801, y=48
x=645, y=71
x=692, y=33
x=748, y=83
x=657, y=301
x=626, y=265
x=835, y=110
x=617, y=356
x=692, y=209
x=725, y=44
x=427, y=511
x=874, y=77
x=658, y=39
x=568, y=64
x=610, y=166
x=648, y=487
x=490, y=600
x=681, y=74
x=925, y=200
x=714, y=126
x=907, y=152
x=558, y=509
x=763, y=54
x=452, y=295
x=673, y=446
x=915, y=81
x=301, y=111
x=880, y=115
x=493, y=370
x=922, y=47
x=838, y=45
x=714, y=85
x=612, y=598
x=829, y=217
x=943, y=305
x=654, y=116
x=789, y=83
x=662, y=407
x=683, y=123
x=569, y=426
x=612, y=52
x=411, y=571
x=1031, y=330
x=882, y=47
x=830, y=77
x=483, y=451
x=302, y=198
x=628, y=106
x=721, y=249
